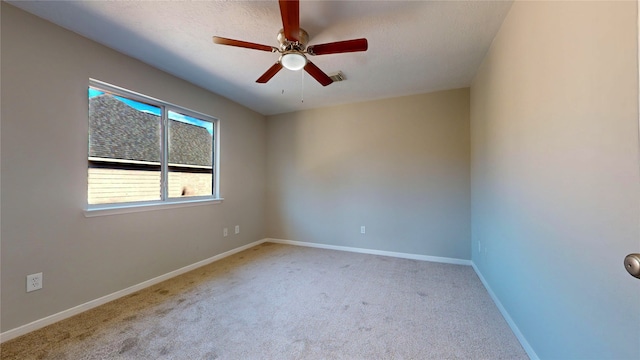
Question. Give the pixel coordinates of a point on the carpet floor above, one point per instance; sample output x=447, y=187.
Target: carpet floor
x=288, y=302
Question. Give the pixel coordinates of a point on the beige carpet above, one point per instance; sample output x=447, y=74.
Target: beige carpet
x=287, y=302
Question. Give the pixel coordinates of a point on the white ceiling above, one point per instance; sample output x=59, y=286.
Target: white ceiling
x=414, y=46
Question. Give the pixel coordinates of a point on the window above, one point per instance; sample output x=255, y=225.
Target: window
x=143, y=151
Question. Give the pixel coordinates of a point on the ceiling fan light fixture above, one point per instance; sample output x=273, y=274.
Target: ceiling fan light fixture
x=293, y=60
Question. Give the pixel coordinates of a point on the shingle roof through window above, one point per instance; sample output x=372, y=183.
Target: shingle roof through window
x=119, y=131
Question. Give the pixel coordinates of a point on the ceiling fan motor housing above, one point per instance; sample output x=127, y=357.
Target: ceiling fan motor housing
x=287, y=45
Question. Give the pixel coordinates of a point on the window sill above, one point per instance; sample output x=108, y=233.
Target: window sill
x=104, y=210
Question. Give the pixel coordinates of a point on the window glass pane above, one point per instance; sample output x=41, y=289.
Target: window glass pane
x=124, y=149
x=190, y=156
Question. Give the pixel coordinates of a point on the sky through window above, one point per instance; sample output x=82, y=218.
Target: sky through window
x=156, y=111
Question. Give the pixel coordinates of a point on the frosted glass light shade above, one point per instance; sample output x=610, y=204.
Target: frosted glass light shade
x=293, y=61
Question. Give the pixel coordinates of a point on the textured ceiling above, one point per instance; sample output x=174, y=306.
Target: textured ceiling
x=414, y=46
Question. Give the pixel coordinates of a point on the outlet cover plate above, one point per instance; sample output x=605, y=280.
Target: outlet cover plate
x=34, y=282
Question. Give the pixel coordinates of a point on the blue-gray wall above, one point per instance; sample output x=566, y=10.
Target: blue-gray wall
x=554, y=169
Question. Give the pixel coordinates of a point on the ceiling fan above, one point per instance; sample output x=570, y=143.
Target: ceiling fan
x=293, y=46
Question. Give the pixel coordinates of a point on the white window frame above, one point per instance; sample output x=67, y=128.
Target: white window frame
x=165, y=201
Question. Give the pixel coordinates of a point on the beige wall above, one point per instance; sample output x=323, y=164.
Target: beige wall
x=45, y=74
x=555, y=185
x=398, y=166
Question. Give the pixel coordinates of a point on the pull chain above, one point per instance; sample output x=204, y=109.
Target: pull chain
x=302, y=88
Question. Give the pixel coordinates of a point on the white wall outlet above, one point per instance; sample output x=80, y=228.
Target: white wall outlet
x=34, y=282
x=237, y=229
x=225, y=232
x=362, y=229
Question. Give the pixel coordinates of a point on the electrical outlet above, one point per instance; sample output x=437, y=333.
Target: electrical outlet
x=225, y=232
x=237, y=229
x=362, y=229
x=34, y=282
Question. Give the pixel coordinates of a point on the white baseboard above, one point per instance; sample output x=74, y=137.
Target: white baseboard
x=35, y=325
x=523, y=341
x=374, y=252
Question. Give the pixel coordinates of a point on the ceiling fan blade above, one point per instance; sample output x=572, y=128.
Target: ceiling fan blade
x=270, y=73
x=290, y=13
x=317, y=74
x=339, y=47
x=243, y=44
